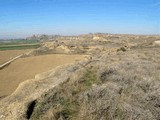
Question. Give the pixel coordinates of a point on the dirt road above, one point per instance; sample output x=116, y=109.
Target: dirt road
x=7, y=54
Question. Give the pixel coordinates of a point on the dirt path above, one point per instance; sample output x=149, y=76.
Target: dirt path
x=7, y=54
x=26, y=68
x=8, y=62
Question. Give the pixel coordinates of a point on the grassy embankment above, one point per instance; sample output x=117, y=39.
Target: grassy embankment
x=68, y=107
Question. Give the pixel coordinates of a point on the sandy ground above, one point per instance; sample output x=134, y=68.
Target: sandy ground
x=6, y=55
x=26, y=68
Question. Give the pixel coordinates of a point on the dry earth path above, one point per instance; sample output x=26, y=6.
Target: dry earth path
x=9, y=54
x=8, y=62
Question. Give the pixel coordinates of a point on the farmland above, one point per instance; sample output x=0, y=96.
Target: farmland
x=19, y=44
x=26, y=68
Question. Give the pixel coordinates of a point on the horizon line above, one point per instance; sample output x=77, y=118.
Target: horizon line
x=10, y=38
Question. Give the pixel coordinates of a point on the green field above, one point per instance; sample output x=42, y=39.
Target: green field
x=19, y=44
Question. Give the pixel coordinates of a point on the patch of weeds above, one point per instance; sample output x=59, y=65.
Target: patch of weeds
x=45, y=103
x=64, y=101
x=89, y=79
x=120, y=114
x=105, y=75
x=85, y=82
x=69, y=108
x=145, y=87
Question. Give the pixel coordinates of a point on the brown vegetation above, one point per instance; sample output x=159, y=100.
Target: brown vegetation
x=118, y=86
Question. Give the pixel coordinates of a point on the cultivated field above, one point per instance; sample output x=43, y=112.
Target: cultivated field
x=26, y=68
x=19, y=44
x=8, y=54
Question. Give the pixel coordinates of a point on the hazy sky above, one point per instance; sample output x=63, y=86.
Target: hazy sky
x=20, y=18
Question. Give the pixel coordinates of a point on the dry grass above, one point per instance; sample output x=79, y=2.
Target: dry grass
x=63, y=102
x=119, y=86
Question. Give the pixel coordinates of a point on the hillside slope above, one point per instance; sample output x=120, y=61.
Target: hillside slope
x=109, y=86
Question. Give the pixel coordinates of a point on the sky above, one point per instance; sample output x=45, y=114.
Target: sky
x=22, y=18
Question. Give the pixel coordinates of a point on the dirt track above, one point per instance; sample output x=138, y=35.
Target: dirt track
x=7, y=54
x=26, y=68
